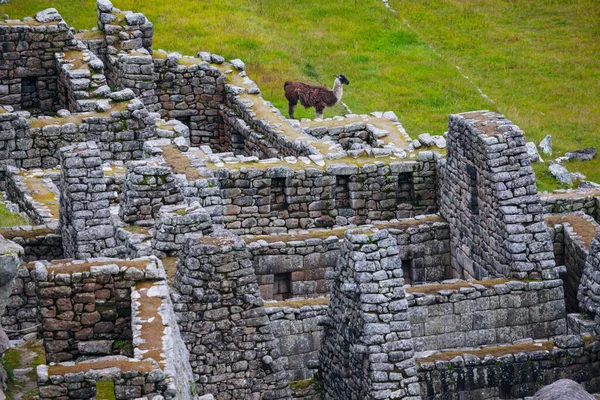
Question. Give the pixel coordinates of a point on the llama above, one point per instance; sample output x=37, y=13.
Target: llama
x=314, y=96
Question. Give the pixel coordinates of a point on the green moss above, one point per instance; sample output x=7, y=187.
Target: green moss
x=105, y=390
x=300, y=385
x=10, y=361
x=9, y=219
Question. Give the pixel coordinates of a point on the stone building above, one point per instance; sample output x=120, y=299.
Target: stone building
x=187, y=240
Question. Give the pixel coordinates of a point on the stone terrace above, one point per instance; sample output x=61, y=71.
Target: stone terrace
x=390, y=270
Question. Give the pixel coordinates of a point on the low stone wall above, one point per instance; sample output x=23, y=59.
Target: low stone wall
x=510, y=372
x=571, y=201
x=367, y=350
x=85, y=307
x=218, y=305
x=20, y=316
x=485, y=313
x=278, y=199
x=28, y=78
x=40, y=242
x=22, y=193
x=297, y=337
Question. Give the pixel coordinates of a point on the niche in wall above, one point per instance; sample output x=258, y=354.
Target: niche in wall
x=473, y=195
x=282, y=286
x=342, y=195
x=277, y=197
x=29, y=94
x=404, y=190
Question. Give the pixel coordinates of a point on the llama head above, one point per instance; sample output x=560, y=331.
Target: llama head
x=343, y=79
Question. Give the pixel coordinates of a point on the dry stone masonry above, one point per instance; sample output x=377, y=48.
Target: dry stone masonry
x=166, y=200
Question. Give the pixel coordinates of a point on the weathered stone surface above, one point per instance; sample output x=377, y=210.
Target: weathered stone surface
x=563, y=389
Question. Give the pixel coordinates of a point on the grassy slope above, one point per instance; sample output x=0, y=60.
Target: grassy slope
x=7, y=218
x=537, y=59
x=388, y=66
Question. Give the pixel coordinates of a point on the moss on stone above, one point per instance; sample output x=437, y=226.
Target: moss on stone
x=496, y=351
x=318, y=301
x=105, y=390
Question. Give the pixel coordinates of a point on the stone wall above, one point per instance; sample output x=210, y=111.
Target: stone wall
x=302, y=259
x=367, y=350
x=490, y=200
x=87, y=228
x=20, y=316
x=40, y=242
x=34, y=143
x=28, y=79
x=174, y=225
x=301, y=263
x=21, y=187
x=572, y=251
x=219, y=307
x=277, y=199
x=298, y=337
x=123, y=31
x=80, y=78
x=589, y=288
x=238, y=106
x=192, y=94
x=149, y=185
x=510, y=372
x=130, y=379
x=485, y=313
x=85, y=307
x=10, y=258
x=571, y=201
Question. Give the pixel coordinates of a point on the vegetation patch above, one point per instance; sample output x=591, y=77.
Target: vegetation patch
x=9, y=219
x=152, y=330
x=496, y=351
x=317, y=301
x=428, y=289
x=179, y=162
x=584, y=228
x=105, y=390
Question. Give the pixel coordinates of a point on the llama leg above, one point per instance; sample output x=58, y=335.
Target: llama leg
x=319, y=109
x=291, y=109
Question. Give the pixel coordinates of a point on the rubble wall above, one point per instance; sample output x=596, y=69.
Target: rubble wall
x=273, y=200
x=298, y=338
x=28, y=78
x=218, y=304
x=367, y=350
x=485, y=315
x=512, y=374
x=491, y=202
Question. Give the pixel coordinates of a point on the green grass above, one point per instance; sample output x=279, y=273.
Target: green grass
x=7, y=218
x=105, y=390
x=537, y=60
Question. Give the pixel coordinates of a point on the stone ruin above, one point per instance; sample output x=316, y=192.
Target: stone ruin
x=187, y=241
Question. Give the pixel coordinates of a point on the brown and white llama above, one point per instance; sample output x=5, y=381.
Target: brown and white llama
x=314, y=96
